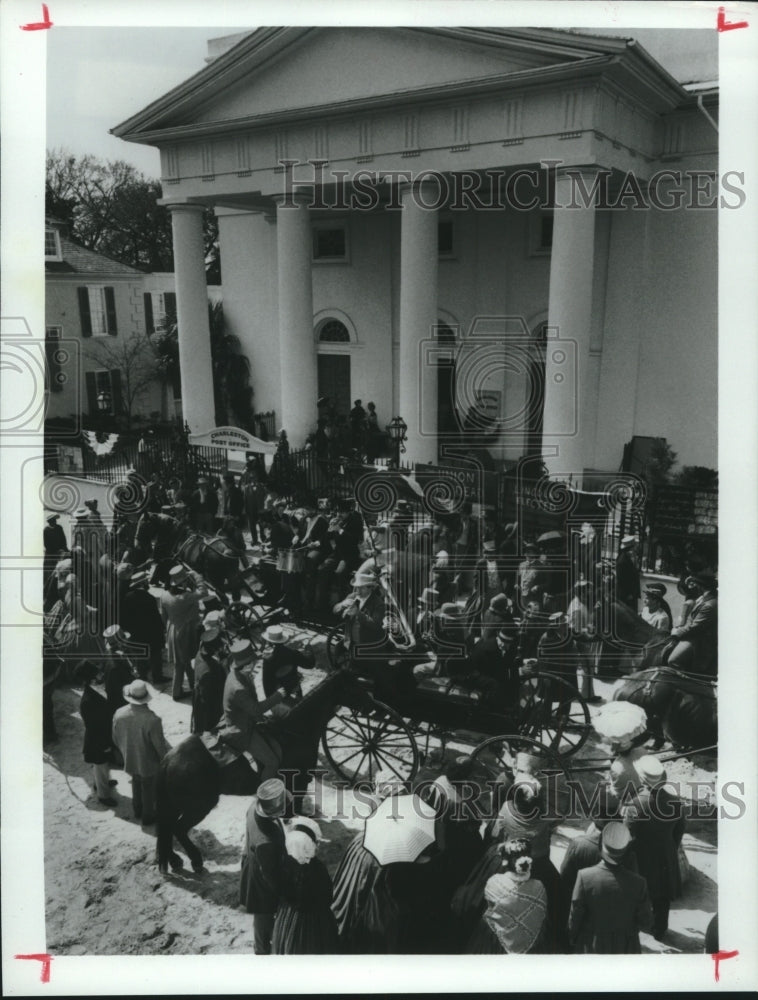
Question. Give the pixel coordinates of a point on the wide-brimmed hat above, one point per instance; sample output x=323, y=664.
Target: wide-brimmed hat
x=272, y=798
x=242, y=652
x=558, y=618
x=202, y=480
x=706, y=580
x=81, y=514
x=114, y=633
x=177, y=575
x=213, y=619
x=364, y=580
x=627, y=541
x=137, y=693
x=655, y=589
x=210, y=635
x=138, y=579
x=499, y=604
x=274, y=634
x=53, y=518
x=650, y=769
x=430, y=597
x=614, y=843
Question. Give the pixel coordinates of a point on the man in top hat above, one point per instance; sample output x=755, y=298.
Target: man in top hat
x=253, y=497
x=263, y=860
x=697, y=646
x=233, y=499
x=204, y=506
x=118, y=670
x=244, y=711
x=55, y=544
x=210, y=678
x=138, y=733
x=656, y=822
x=180, y=610
x=497, y=615
x=609, y=904
x=656, y=611
x=628, y=573
x=345, y=533
x=492, y=667
x=141, y=617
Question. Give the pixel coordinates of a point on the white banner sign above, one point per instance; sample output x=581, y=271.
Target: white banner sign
x=233, y=439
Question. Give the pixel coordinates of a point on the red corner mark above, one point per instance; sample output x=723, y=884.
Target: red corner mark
x=720, y=956
x=723, y=25
x=47, y=23
x=46, y=960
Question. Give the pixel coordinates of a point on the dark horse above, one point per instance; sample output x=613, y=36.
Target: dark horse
x=682, y=708
x=633, y=644
x=214, y=558
x=190, y=780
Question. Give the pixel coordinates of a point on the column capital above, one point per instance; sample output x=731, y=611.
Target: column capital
x=188, y=207
x=427, y=191
x=299, y=196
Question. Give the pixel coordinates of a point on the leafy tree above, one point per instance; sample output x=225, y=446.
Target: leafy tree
x=233, y=394
x=112, y=208
x=135, y=358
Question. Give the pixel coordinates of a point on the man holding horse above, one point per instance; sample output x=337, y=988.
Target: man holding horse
x=244, y=712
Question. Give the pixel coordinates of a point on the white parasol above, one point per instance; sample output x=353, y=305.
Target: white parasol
x=400, y=828
x=620, y=721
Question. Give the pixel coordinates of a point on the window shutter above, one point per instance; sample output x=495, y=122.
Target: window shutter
x=117, y=398
x=84, y=312
x=170, y=299
x=149, y=323
x=91, y=392
x=110, y=310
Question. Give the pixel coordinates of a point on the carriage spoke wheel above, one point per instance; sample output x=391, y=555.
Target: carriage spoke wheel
x=552, y=711
x=360, y=743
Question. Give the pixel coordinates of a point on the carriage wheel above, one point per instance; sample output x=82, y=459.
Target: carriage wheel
x=552, y=711
x=358, y=743
x=336, y=653
x=243, y=616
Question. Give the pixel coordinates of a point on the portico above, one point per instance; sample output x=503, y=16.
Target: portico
x=304, y=236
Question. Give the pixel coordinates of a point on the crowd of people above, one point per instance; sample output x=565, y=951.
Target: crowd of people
x=473, y=603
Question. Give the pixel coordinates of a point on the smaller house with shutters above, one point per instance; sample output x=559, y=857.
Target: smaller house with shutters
x=97, y=313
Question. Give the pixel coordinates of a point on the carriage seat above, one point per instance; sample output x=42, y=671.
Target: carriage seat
x=443, y=688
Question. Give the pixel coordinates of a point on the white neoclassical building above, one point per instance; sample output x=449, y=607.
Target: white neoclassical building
x=453, y=221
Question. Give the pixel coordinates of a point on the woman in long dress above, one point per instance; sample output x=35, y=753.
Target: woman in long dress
x=304, y=922
x=516, y=906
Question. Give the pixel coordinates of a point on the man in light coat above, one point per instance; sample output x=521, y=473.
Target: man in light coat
x=138, y=733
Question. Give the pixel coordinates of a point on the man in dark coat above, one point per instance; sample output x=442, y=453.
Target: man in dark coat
x=628, y=573
x=656, y=822
x=98, y=749
x=210, y=678
x=244, y=710
x=234, y=500
x=697, y=646
x=345, y=533
x=55, y=544
x=204, y=506
x=530, y=577
x=253, y=494
x=263, y=860
x=610, y=904
x=279, y=660
x=119, y=669
x=140, y=616
x=492, y=668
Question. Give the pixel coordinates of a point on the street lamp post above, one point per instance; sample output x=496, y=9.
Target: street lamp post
x=396, y=429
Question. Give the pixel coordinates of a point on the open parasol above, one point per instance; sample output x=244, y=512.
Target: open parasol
x=620, y=721
x=400, y=829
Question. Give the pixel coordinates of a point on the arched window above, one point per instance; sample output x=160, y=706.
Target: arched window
x=333, y=332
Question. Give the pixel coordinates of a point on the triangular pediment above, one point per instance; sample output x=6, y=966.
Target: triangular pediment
x=280, y=70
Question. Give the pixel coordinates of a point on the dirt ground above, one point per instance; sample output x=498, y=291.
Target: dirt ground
x=105, y=896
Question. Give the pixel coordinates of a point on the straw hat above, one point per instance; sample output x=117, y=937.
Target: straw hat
x=242, y=652
x=137, y=693
x=274, y=634
x=114, y=633
x=615, y=841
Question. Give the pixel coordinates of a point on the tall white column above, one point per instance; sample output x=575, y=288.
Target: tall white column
x=297, y=350
x=418, y=318
x=572, y=262
x=192, y=317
